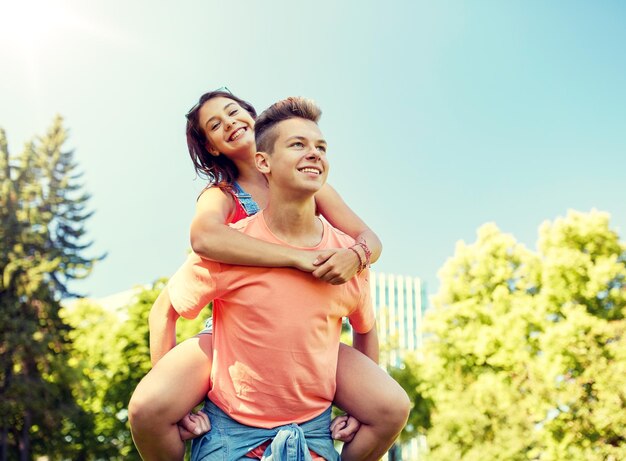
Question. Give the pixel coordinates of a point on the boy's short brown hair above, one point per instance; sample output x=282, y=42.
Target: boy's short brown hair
x=292, y=107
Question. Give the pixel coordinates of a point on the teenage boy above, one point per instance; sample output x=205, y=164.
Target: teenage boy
x=276, y=331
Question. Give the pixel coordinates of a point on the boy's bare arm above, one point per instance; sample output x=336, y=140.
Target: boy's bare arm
x=162, y=323
x=367, y=343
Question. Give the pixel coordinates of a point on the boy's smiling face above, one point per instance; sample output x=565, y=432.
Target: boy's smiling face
x=298, y=159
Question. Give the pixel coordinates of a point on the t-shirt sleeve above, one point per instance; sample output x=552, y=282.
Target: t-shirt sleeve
x=193, y=285
x=362, y=318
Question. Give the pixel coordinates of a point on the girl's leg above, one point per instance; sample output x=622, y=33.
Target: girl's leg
x=369, y=394
x=176, y=384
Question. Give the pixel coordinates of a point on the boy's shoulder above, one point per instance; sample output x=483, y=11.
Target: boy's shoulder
x=254, y=226
x=244, y=223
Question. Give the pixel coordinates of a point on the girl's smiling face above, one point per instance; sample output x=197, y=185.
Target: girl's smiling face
x=228, y=127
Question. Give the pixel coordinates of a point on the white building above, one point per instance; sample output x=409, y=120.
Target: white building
x=399, y=303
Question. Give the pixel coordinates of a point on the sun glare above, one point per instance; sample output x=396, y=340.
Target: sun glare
x=28, y=24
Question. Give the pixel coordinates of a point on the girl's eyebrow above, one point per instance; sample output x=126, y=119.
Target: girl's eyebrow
x=225, y=108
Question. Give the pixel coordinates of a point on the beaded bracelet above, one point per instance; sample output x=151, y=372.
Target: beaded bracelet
x=358, y=256
x=368, y=253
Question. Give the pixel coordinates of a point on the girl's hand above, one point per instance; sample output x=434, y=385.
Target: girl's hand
x=336, y=266
x=305, y=260
x=194, y=425
x=344, y=428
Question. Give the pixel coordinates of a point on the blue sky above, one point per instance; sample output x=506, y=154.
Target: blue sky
x=440, y=116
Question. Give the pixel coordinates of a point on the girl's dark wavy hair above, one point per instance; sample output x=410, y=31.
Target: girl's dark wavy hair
x=218, y=170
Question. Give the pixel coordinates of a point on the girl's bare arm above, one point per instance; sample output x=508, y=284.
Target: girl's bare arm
x=212, y=238
x=339, y=266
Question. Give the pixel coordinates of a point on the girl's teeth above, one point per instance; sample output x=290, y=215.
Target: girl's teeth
x=236, y=134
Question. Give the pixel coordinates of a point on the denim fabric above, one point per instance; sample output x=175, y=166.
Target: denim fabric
x=208, y=327
x=246, y=200
x=229, y=440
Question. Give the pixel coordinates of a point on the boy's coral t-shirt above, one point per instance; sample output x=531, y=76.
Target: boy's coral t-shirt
x=276, y=330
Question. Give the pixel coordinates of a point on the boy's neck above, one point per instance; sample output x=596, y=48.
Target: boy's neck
x=294, y=220
x=248, y=173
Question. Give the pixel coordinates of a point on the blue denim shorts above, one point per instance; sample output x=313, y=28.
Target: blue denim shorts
x=208, y=327
x=229, y=440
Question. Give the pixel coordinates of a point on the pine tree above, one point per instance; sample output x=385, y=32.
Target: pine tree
x=42, y=250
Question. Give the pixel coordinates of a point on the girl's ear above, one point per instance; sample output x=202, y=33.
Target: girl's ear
x=211, y=150
x=262, y=162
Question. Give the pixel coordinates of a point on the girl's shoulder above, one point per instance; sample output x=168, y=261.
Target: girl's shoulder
x=213, y=191
x=214, y=199
x=231, y=202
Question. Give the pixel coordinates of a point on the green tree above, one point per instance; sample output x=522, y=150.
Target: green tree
x=524, y=353
x=583, y=359
x=111, y=352
x=42, y=249
x=93, y=343
x=410, y=376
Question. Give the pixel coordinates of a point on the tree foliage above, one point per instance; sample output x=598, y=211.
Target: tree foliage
x=66, y=374
x=42, y=248
x=410, y=376
x=524, y=355
x=111, y=350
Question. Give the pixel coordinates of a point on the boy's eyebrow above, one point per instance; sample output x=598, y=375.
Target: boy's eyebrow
x=303, y=138
x=232, y=103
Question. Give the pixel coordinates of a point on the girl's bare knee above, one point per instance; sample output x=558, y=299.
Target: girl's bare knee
x=403, y=408
x=395, y=409
x=139, y=410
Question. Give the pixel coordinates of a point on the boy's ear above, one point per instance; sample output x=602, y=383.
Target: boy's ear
x=262, y=161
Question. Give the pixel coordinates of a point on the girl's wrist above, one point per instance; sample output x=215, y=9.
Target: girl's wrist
x=363, y=253
x=360, y=259
x=299, y=259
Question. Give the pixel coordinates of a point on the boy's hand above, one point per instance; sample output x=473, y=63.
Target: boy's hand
x=344, y=428
x=194, y=425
